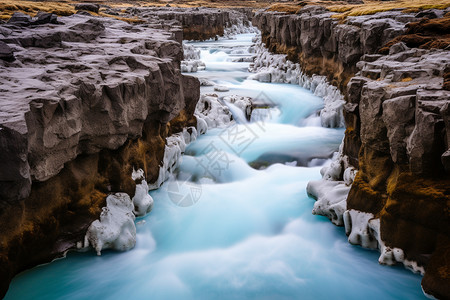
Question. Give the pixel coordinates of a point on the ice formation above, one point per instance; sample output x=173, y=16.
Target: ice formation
x=210, y=111
x=270, y=67
x=332, y=190
x=361, y=228
x=191, y=62
x=142, y=201
x=221, y=88
x=240, y=27
x=364, y=229
x=175, y=146
x=190, y=52
x=115, y=229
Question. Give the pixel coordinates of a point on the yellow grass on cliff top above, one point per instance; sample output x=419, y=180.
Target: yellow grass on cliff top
x=8, y=7
x=369, y=7
x=60, y=8
x=67, y=7
x=372, y=7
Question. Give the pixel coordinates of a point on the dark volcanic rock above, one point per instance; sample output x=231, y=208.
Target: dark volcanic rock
x=323, y=45
x=44, y=18
x=20, y=19
x=430, y=14
x=83, y=104
x=88, y=7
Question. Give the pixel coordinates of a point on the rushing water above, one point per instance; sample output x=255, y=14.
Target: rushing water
x=246, y=232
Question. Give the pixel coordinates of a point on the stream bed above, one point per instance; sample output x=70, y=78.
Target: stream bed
x=235, y=221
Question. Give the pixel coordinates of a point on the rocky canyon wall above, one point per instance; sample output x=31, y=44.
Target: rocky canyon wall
x=84, y=102
x=397, y=119
x=197, y=23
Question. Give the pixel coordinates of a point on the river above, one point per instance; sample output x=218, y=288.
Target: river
x=235, y=222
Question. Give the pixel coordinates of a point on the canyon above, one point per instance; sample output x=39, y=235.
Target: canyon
x=89, y=100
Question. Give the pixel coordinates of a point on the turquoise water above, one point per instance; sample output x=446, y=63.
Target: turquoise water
x=248, y=233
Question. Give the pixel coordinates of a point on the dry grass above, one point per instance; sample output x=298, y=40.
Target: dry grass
x=67, y=8
x=369, y=7
x=372, y=7
x=8, y=7
x=63, y=8
x=286, y=8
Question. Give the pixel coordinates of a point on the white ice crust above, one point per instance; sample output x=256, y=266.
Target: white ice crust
x=270, y=67
x=142, y=201
x=332, y=190
x=115, y=229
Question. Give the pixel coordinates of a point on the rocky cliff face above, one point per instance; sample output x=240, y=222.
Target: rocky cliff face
x=197, y=23
x=83, y=103
x=397, y=133
x=325, y=46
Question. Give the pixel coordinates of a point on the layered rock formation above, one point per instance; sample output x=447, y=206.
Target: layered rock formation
x=403, y=177
x=198, y=23
x=397, y=133
x=83, y=104
x=324, y=45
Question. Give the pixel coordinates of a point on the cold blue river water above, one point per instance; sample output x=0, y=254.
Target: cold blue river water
x=248, y=231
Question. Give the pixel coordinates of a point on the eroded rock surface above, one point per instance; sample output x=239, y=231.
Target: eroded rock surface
x=403, y=180
x=84, y=103
x=325, y=46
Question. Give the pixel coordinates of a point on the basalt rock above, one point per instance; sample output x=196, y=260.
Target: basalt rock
x=325, y=46
x=198, y=23
x=403, y=174
x=426, y=33
x=84, y=103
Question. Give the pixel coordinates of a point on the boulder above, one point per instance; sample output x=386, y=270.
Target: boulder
x=44, y=18
x=20, y=19
x=87, y=7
